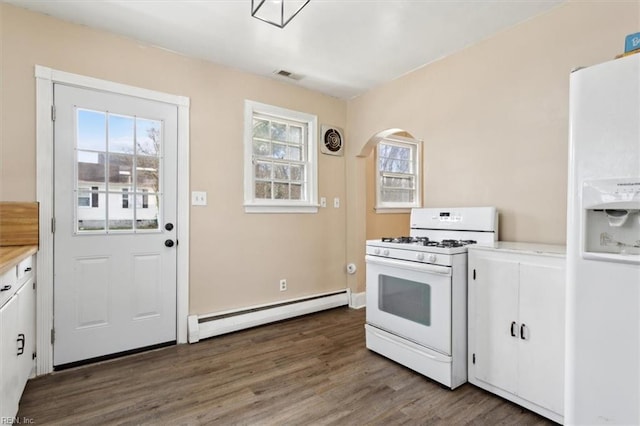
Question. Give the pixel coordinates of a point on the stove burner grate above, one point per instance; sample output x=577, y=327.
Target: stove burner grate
x=424, y=241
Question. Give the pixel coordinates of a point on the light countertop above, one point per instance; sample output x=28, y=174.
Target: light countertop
x=517, y=247
x=11, y=255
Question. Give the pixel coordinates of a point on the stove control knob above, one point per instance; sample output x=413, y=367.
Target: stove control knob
x=431, y=258
x=386, y=252
x=420, y=256
x=376, y=251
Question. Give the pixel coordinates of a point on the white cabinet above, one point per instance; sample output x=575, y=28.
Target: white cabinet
x=516, y=324
x=9, y=388
x=17, y=337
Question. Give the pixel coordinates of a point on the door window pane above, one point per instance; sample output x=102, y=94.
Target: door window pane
x=120, y=219
x=148, y=174
x=91, y=168
x=91, y=213
x=147, y=211
x=406, y=299
x=121, y=169
x=148, y=137
x=121, y=134
x=92, y=130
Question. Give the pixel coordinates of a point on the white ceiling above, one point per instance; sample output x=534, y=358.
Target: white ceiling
x=339, y=47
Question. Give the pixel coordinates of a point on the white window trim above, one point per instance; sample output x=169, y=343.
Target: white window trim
x=251, y=205
x=45, y=78
x=392, y=208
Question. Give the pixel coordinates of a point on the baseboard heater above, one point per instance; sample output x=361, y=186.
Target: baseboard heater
x=205, y=326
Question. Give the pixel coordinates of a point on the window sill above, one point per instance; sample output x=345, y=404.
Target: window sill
x=266, y=208
x=392, y=210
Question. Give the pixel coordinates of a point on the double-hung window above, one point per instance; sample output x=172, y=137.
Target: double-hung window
x=398, y=161
x=280, y=160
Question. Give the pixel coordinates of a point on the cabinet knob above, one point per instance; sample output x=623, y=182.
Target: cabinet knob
x=513, y=328
x=6, y=287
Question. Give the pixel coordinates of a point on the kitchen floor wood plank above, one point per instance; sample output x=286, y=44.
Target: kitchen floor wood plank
x=312, y=370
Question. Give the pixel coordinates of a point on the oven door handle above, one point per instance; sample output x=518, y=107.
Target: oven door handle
x=416, y=266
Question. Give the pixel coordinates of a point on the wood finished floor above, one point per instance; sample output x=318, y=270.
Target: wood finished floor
x=305, y=371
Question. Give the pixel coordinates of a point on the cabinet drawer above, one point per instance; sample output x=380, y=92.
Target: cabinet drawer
x=25, y=268
x=8, y=285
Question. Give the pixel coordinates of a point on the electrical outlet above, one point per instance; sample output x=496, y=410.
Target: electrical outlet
x=283, y=285
x=198, y=198
x=323, y=201
x=336, y=203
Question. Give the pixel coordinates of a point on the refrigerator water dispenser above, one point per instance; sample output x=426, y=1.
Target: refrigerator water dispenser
x=612, y=220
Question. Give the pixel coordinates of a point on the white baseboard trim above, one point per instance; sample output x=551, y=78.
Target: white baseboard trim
x=204, y=326
x=358, y=300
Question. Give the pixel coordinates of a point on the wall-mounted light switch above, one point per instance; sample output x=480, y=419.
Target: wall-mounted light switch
x=323, y=201
x=198, y=198
x=336, y=203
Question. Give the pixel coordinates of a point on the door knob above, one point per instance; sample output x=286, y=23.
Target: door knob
x=168, y=243
x=168, y=226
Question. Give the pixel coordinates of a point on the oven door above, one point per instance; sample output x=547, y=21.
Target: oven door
x=411, y=300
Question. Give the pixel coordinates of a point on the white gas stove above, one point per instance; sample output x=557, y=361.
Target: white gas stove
x=417, y=290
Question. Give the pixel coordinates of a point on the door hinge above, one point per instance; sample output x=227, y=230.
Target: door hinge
x=474, y=274
x=53, y=336
x=53, y=113
x=53, y=225
x=474, y=358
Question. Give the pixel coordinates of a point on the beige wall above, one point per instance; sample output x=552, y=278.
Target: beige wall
x=236, y=258
x=494, y=120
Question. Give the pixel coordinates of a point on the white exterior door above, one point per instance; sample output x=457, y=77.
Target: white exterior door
x=115, y=168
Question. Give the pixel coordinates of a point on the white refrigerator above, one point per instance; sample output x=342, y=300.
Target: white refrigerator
x=602, y=357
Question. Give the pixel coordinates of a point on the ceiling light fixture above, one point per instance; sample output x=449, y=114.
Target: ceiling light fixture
x=277, y=12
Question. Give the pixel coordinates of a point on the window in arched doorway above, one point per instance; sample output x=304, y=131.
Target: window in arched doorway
x=398, y=165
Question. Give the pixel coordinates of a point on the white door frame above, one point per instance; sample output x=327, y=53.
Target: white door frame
x=45, y=79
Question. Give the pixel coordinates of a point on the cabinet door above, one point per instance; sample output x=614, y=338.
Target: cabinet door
x=496, y=307
x=9, y=388
x=541, y=353
x=26, y=328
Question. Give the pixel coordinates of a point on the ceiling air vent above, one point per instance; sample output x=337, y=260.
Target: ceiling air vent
x=332, y=140
x=288, y=74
